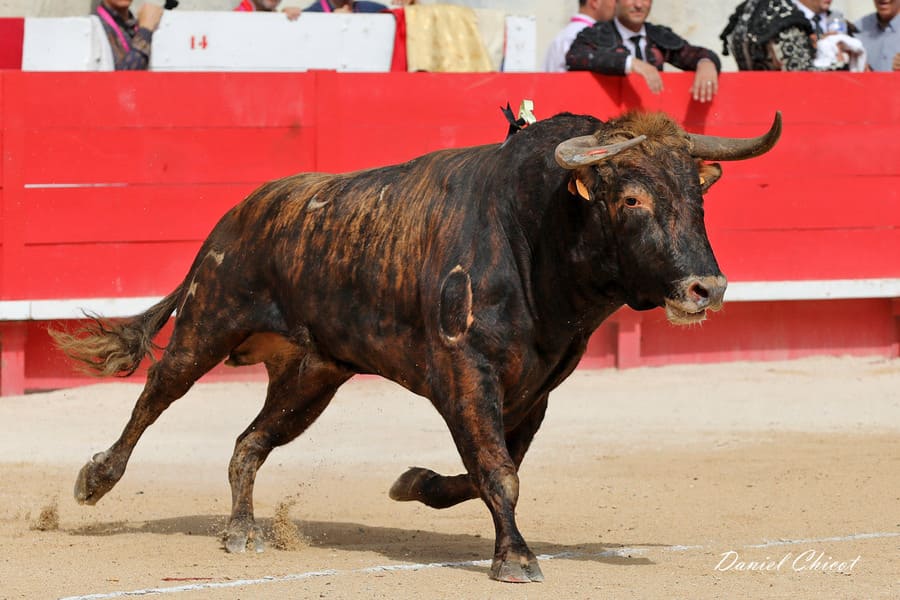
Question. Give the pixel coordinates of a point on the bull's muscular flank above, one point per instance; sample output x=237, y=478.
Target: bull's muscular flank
x=473, y=277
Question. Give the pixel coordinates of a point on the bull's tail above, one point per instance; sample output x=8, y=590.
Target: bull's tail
x=106, y=347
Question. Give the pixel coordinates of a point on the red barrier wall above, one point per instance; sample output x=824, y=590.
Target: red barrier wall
x=12, y=32
x=109, y=181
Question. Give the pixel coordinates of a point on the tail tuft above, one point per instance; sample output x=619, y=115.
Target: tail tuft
x=104, y=348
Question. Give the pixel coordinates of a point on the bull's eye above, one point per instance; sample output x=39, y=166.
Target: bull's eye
x=631, y=201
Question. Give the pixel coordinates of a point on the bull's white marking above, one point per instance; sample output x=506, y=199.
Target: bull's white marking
x=218, y=258
x=383, y=191
x=315, y=203
x=623, y=552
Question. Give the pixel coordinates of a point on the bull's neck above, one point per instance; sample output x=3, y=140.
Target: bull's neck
x=569, y=270
x=578, y=286
x=572, y=267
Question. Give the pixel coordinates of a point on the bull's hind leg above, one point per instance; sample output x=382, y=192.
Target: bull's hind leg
x=211, y=321
x=299, y=390
x=185, y=360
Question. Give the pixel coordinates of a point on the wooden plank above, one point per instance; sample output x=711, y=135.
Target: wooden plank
x=772, y=331
x=132, y=213
x=837, y=99
x=12, y=33
x=189, y=155
x=105, y=270
x=812, y=254
x=140, y=100
x=445, y=114
x=13, y=264
x=808, y=201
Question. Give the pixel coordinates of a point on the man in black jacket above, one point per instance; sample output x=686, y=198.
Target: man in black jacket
x=628, y=44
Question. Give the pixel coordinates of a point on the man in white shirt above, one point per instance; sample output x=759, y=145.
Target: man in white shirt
x=589, y=12
x=817, y=12
x=836, y=53
x=630, y=44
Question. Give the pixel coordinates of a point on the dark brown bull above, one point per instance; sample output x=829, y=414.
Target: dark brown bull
x=473, y=277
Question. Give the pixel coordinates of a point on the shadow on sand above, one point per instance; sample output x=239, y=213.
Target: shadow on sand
x=402, y=545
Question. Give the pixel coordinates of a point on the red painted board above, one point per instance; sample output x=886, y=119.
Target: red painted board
x=47, y=367
x=139, y=100
x=12, y=32
x=772, y=331
x=456, y=98
x=838, y=99
x=133, y=213
x=105, y=270
x=807, y=201
x=804, y=255
x=198, y=155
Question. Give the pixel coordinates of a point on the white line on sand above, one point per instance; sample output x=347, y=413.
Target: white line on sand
x=621, y=552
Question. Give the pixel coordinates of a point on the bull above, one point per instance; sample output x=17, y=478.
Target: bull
x=473, y=277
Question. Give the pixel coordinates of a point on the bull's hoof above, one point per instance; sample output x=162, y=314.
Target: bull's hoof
x=95, y=479
x=409, y=485
x=516, y=570
x=241, y=537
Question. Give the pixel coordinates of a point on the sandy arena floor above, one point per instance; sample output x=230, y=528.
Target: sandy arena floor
x=647, y=483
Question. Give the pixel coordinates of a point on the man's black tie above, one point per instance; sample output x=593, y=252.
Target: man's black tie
x=818, y=22
x=636, y=40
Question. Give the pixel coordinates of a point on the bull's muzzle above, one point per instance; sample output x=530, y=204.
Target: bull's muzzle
x=693, y=296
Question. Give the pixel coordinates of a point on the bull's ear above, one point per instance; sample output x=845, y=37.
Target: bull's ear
x=582, y=183
x=709, y=174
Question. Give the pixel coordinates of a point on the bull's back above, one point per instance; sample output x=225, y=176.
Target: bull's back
x=350, y=255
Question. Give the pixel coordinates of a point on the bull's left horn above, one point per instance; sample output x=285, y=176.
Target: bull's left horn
x=583, y=150
x=709, y=147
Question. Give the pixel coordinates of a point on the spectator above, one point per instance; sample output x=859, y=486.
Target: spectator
x=589, y=12
x=129, y=37
x=629, y=44
x=817, y=13
x=880, y=34
x=362, y=6
x=292, y=12
x=835, y=50
x=769, y=35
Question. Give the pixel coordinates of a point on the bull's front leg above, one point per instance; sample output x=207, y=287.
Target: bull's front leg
x=473, y=413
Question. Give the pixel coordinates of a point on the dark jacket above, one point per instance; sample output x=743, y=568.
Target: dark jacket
x=599, y=48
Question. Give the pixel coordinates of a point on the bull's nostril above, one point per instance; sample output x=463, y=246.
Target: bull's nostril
x=697, y=292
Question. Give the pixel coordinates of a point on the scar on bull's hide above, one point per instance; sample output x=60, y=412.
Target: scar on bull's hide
x=383, y=191
x=218, y=258
x=315, y=203
x=456, y=304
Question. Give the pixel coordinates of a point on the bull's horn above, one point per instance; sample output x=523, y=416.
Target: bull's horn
x=709, y=147
x=583, y=150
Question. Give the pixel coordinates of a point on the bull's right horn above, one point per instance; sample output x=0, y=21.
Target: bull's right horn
x=710, y=147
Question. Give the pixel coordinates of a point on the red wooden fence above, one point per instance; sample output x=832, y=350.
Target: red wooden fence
x=109, y=181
